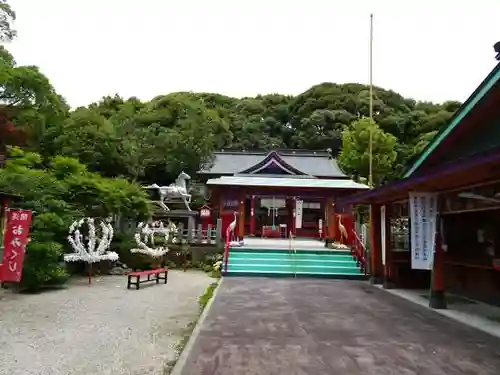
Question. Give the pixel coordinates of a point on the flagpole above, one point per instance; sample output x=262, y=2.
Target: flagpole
x=371, y=260
x=370, y=173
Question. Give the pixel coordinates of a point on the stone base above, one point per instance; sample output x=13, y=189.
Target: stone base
x=375, y=280
x=388, y=284
x=437, y=300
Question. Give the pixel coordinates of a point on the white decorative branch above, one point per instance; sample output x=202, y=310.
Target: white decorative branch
x=90, y=253
x=145, y=234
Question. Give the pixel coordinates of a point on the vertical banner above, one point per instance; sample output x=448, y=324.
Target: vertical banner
x=382, y=233
x=298, y=213
x=15, y=240
x=423, y=212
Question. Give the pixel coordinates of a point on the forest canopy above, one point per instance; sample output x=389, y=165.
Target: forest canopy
x=154, y=140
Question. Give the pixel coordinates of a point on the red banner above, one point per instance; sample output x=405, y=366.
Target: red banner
x=15, y=239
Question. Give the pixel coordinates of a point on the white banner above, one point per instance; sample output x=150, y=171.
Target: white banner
x=423, y=212
x=382, y=232
x=298, y=213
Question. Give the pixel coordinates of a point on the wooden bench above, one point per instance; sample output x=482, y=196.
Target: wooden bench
x=159, y=274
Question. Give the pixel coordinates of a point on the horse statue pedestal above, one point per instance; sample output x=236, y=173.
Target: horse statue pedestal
x=181, y=218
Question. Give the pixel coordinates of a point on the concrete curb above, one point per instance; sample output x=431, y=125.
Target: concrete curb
x=181, y=361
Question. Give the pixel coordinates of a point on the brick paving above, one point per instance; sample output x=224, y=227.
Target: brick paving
x=317, y=327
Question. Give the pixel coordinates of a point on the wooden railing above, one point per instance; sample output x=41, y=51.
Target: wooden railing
x=359, y=251
x=293, y=253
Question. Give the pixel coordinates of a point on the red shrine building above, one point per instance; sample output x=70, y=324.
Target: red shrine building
x=275, y=193
x=459, y=251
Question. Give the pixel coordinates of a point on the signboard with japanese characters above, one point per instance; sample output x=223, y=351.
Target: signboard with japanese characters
x=15, y=239
x=423, y=212
x=299, y=205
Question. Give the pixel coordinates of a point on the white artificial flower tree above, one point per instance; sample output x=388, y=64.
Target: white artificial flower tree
x=96, y=249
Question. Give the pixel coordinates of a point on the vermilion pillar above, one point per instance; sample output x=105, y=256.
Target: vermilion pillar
x=221, y=205
x=331, y=220
x=437, y=298
x=241, y=216
x=388, y=271
x=252, y=216
x=376, y=271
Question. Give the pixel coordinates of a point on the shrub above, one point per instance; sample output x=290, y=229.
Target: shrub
x=41, y=266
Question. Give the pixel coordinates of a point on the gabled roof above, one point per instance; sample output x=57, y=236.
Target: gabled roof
x=298, y=162
x=484, y=88
x=287, y=182
x=9, y=197
x=272, y=159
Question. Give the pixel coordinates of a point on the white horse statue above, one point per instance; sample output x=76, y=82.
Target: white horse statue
x=178, y=189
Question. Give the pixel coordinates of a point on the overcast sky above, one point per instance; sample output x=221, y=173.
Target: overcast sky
x=426, y=49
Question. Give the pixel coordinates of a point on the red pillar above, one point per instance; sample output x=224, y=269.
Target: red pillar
x=241, y=216
x=376, y=272
x=331, y=220
x=437, y=298
x=388, y=276
x=252, y=216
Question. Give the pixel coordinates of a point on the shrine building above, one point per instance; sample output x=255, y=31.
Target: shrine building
x=453, y=244
x=278, y=192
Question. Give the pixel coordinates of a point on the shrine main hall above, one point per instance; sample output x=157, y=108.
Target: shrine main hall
x=278, y=192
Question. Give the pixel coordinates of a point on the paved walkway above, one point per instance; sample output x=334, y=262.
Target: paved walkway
x=318, y=327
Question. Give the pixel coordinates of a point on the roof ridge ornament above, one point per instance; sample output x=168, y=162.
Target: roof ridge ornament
x=496, y=47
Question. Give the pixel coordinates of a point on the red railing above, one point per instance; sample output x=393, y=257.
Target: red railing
x=359, y=251
x=226, y=248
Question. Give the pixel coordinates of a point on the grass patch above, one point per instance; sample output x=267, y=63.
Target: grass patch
x=187, y=331
x=207, y=296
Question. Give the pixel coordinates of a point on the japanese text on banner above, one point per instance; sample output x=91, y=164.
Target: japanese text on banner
x=423, y=211
x=15, y=240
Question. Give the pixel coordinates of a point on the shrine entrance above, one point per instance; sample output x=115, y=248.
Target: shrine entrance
x=272, y=216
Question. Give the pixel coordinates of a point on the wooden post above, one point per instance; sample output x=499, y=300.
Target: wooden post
x=241, y=216
x=437, y=299
x=388, y=276
x=330, y=217
x=218, y=236
x=376, y=272
x=3, y=223
x=252, y=216
x=221, y=205
x=190, y=228
x=199, y=235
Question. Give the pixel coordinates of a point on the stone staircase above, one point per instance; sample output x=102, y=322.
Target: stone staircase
x=306, y=261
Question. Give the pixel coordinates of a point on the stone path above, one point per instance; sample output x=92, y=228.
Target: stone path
x=318, y=327
x=102, y=329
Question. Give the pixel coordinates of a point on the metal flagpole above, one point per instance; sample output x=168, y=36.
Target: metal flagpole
x=370, y=146
x=370, y=173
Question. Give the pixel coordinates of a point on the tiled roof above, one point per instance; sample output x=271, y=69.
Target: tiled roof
x=314, y=163
x=286, y=182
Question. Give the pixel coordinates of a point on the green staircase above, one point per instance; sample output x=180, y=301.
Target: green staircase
x=335, y=264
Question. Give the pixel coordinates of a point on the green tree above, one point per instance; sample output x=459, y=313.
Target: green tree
x=7, y=16
x=354, y=157
x=58, y=195
x=29, y=99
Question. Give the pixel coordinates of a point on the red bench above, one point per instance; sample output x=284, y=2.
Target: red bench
x=159, y=274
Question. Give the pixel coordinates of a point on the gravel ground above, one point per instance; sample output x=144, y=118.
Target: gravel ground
x=102, y=329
